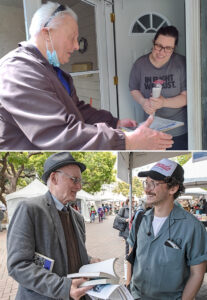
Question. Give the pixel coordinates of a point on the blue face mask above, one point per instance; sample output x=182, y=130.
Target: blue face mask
x=52, y=57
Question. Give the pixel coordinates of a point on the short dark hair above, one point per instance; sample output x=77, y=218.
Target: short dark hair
x=171, y=182
x=168, y=31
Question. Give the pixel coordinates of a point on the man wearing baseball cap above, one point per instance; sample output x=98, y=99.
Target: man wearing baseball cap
x=47, y=225
x=171, y=250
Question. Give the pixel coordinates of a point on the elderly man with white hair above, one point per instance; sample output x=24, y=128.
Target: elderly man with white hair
x=39, y=108
x=47, y=225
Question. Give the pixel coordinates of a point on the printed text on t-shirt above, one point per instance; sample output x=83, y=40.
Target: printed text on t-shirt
x=169, y=81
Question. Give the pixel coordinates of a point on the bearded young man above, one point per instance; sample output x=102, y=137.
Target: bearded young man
x=171, y=250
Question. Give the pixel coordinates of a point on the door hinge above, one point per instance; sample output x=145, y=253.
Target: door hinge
x=115, y=80
x=112, y=15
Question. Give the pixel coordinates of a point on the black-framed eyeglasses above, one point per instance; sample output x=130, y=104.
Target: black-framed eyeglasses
x=75, y=180
x=59, y=8
x=151, y=184
x=167, y=49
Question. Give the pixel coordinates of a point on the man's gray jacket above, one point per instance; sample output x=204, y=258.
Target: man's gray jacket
x=36, y=227
x=36, y=111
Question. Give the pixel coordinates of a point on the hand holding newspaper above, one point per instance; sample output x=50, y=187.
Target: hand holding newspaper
x=160, y=124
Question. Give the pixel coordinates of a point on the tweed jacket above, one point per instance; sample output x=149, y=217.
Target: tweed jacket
x=36, y=111
x=36, y=227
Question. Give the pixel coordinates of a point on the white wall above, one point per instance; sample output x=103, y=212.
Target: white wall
x=88, y=86
x=12, y=29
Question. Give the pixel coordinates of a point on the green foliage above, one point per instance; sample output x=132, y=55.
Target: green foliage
x=31, y=164
x=100, y=169
x=182, y=159
x=123, y=188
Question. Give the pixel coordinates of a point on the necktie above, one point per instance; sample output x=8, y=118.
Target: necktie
x=64, y=208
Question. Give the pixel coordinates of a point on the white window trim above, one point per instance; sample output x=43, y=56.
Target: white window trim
x=137, y=20
x=193, y=74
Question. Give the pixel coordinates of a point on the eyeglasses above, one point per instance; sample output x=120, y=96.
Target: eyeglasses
x=151, y=184
x=59, y=8
x=75, y=180
x=167, y=49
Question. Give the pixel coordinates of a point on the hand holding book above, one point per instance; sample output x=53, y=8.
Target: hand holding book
x=105, y=279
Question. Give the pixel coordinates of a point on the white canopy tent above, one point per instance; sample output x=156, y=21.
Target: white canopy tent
x=195, y=173
x=37, y=188
x=85, y=198
x=109, y=196
x=195, y=191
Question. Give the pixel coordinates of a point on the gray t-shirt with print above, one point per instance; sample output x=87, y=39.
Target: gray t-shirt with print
x=173, y=73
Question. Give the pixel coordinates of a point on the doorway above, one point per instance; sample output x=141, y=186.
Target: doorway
x=134, y=36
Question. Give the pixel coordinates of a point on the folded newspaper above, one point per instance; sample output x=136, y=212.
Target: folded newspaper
x=160, y=124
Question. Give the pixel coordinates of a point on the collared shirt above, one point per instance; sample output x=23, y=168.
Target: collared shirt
x=161, y=272
x=58, y=204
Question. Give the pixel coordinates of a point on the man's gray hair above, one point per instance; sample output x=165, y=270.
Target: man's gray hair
x=43, y=14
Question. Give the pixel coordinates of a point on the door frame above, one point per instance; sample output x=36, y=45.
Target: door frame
x=193, y=61
x=29, y=8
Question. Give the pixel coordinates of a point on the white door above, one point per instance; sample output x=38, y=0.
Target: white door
x=136, y=23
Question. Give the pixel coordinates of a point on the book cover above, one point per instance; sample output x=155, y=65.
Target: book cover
x=99, y=273
x=43, y=261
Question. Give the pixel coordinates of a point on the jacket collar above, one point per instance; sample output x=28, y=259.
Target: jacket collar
x=176, y=214
x=32, y=49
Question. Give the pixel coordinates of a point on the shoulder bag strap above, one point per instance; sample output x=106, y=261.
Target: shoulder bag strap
x=137, y=224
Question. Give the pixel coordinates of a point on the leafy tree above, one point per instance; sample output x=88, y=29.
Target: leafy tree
x=123, y=187
x=100, y=169
x=182, y=159
x=18, y=169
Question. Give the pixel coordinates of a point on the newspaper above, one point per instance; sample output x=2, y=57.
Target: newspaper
x=159, y=124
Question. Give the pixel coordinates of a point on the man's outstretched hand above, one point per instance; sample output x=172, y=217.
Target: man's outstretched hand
x=145, y=138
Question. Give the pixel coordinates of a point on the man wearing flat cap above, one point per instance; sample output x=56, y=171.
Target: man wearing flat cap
x=171, y=251
x=47, y=226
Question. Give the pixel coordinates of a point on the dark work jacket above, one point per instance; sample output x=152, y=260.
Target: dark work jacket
x=123, y=215
x=36, y=111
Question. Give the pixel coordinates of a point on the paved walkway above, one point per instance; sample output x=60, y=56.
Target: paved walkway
x=101, y=240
